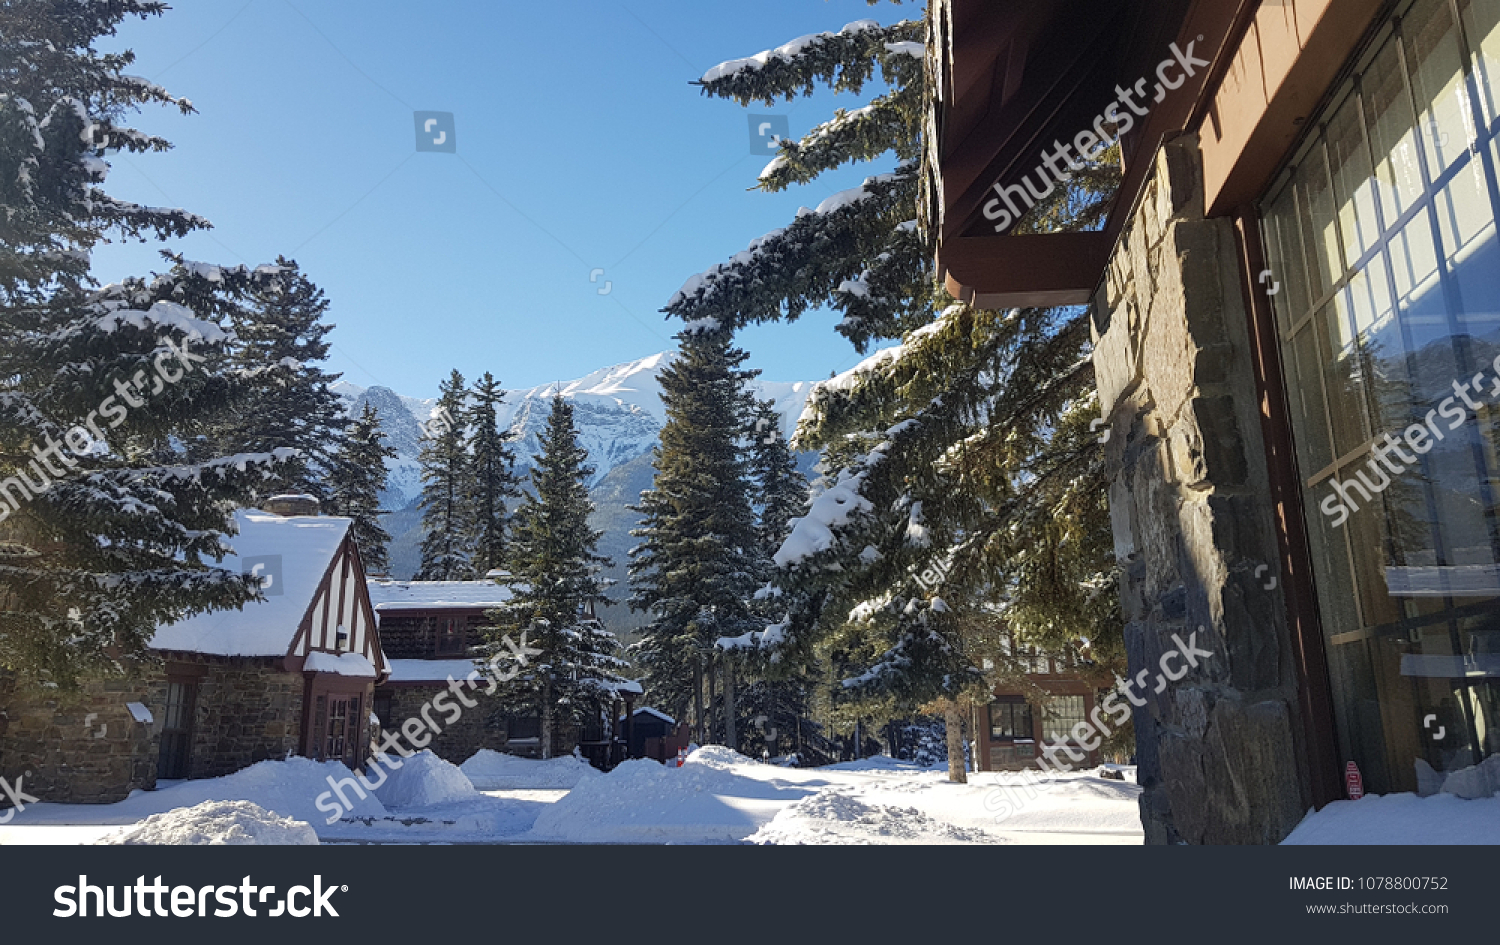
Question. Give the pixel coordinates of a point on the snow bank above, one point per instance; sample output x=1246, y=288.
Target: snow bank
x=718, y=756
x=1475, y=782
x=831, y=817
x=421, y=780
x=641, y=801
x=1402, y=818
x=876, y=763
x=496, y=771
x=289, y=788
x=217, y=823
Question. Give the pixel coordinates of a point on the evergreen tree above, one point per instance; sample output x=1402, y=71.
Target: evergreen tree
x=446, y=542
x=492, y=476
x=555, y=587
x=359, y=475
x=960, y=476
x=780, y=489
x=695, y=570
x=280, y=334
x=107, y=529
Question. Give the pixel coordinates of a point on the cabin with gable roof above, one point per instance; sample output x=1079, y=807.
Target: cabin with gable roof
x=292, y=674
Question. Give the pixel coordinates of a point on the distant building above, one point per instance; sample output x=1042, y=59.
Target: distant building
x=1051, y=700
x=292, y=674
x=429, y=630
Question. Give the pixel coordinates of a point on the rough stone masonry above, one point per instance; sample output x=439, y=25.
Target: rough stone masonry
x=1219, y=753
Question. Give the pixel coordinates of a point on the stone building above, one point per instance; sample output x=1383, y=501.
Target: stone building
x=1294, y=301
x=429, y=630
x=292, y=674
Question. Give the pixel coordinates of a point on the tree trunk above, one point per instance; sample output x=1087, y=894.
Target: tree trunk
x=698, y=698
x=953, y=722
x=546, y=715
x=730, y=734
x=714, y=728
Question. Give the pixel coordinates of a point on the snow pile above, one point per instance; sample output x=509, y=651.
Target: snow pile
x=1403, y=819
x=642, y=801
x=217, y=823
x=289, y=788
x=1475, y=782
x=496, y=771
x=421, y=780
x=830, y=817
x=718, y=756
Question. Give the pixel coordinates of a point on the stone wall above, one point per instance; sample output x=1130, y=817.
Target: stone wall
x=484, y=726
x=248, y=710
x=1219, y=752
x=85, y=747
x=79, y=747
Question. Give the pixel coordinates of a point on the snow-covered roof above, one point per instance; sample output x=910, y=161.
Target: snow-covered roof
x=429, y=671
x=356, y=665
x=388, y=596
x=305, y=545
x=655, y=714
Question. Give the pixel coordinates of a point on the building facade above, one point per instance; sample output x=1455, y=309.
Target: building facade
x=292, y=674
x=1019, y=718
x=1294, y=302
x=430, y=630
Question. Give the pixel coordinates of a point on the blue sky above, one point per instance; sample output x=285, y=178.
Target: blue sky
x=581, y=146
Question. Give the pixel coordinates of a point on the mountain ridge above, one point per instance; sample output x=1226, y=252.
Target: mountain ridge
x=619, y=413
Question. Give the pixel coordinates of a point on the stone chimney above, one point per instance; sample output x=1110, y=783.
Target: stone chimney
x=289, y=505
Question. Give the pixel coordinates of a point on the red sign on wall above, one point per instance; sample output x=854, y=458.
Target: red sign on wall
x=1352, y=781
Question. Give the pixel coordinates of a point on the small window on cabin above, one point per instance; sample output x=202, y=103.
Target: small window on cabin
x=523, y=726
x=450, y=636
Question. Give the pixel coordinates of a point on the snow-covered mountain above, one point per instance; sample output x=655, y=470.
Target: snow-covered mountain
x=618, y=410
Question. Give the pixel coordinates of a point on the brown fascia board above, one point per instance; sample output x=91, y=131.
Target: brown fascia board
x=1292, y=53
x=1041, y=270
x=1006, y=141
x=1220, y=23
x=1065, y=269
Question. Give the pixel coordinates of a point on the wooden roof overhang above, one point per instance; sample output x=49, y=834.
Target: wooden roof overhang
x=1008, y=80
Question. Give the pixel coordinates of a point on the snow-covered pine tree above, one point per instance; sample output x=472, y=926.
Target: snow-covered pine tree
x=859, y=251
x=281, y=333
x=779, y=488
x=447, y=546
x=956, y=471
x=355, y=485
x=555, y=589
x=106, y=531
x=694, y=572
x=492, y=478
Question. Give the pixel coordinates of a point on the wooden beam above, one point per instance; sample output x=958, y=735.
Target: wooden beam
x=1291, y=55
x=1041, y=270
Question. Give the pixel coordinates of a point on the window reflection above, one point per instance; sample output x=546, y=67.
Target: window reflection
x=1384, y=228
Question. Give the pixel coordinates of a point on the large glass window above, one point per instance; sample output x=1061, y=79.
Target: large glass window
x=1061, y=715
x=1382, y=233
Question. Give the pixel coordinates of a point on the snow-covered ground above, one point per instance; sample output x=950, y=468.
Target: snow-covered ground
x=717, y=797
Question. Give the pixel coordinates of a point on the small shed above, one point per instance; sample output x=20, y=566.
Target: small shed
x=652, y=733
